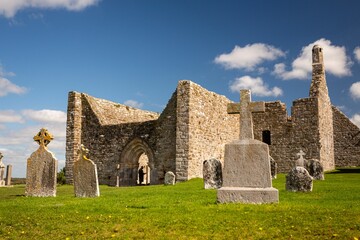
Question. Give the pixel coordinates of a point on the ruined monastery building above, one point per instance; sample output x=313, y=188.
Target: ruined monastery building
x=195, y=126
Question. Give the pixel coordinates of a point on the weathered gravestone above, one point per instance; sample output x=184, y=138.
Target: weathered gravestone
x=169, y=178
x=273, y=168
x=2, y=171
x=299, y=180
x=301, y=161
x=86, y=183
x=8, y=175
x=41, y=168
x=246, y=175
x=212, y=174
x=315, y=169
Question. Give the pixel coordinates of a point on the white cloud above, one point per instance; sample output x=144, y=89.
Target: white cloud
x=9, y=8
x=133, y=103
x=355, y=90
x=356, y=119
x=248, y=57
x=45, y=115
x=10, y=116
x=256, y=85
x=335, y=60
x=357, y=53
x=7, y=87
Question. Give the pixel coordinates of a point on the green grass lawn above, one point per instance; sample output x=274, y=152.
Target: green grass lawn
x=184, y=211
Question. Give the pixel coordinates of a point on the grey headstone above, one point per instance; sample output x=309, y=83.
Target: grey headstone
x=41, y=169
x=299, y=180
x=86, y=183
x=212, y=174
x=2, y=171
x=273, y=167
x=315, y=169
x=8, y=175
x=246, y=175
x=169, y=178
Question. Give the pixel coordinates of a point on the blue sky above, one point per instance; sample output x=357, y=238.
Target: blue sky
x=135, y=52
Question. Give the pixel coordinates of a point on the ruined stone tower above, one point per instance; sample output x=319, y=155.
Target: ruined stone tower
x=323, y=110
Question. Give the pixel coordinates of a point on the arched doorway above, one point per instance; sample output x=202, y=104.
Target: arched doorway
x=137, y=153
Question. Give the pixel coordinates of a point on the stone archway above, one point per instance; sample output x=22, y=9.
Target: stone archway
x=129, y=162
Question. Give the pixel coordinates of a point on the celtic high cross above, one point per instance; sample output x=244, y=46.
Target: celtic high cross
x=43, y=138
x=245, y=108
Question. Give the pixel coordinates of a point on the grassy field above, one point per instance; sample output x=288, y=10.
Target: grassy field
x=185, y=211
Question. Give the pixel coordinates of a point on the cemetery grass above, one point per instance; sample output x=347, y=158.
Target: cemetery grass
x=185, y=211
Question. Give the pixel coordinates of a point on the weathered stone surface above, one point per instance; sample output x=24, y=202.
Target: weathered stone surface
x=273, y=168
x=301, y=161
x=212, y=174
x=86, y=182
x=299, y=180
x=315, y=169
x=2, y=172
x=246, y=175
x=169, y=178
x=8, y=175
x=41, y=169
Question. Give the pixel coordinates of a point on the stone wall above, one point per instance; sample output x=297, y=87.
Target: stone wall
x=210, y=127
x=346, y=141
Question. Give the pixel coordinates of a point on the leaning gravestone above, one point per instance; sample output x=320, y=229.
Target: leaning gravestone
x=86, y=183
x=299, y=180
x=41, y=168
x=212, y=174
x=169, y=178
x=246, y=175
x=315, y=169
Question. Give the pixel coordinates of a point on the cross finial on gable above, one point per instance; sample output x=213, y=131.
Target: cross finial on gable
x=245, y=108
x=43, y=138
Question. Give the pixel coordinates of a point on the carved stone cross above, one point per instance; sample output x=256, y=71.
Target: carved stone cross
x=245, y=108
x=43, y=138
x=301, y=161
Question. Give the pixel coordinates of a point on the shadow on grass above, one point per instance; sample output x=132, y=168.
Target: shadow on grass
x=345, y=170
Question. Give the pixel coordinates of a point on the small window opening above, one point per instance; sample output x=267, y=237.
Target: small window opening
x=266, y=137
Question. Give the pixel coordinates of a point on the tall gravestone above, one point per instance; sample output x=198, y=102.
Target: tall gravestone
x=246, y=175
x=86, y=183
x=41, y=168
x=8, y=175
x=2, y=171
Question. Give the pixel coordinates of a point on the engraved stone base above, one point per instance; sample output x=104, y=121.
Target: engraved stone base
x=247, y=195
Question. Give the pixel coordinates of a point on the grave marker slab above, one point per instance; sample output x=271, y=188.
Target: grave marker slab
x=169, y=178
x=41, y=168
x=299, y=180
x=212, y=174
x=246, y=175
x=2, y=171
x=86, y=183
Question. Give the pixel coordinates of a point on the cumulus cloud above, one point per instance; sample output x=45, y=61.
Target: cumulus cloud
x=357, y=54
x=45, y=115
x=7, y=87
x=10, y=116
x=335, y=60
x=248, y=57
x=133, y=103
x=355, y=90
x=9, y=8
x=256, y=85
x=356, y=119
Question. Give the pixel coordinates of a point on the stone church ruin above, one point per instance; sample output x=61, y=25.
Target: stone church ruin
x=195, y=126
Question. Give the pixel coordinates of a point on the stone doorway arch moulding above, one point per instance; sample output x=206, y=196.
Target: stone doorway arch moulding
x=129, y=162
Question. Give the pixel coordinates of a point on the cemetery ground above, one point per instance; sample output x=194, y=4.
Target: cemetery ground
x=185, y=211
